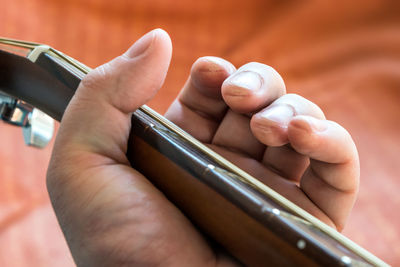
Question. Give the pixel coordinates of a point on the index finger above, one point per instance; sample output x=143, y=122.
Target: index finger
x=199, y=107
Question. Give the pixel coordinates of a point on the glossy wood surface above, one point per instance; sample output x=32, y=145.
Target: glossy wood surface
x=345, y=56
x=240, y=234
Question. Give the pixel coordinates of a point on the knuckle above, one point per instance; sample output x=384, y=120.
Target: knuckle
x=258, y=125
x=271, y=77
x=98, y=76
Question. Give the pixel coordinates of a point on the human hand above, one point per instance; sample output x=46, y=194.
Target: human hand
x=111, y=215
x=282, y=139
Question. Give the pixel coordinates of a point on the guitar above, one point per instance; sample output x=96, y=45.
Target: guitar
x=251, y=221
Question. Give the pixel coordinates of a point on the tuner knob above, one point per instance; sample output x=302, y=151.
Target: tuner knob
x=39, y=129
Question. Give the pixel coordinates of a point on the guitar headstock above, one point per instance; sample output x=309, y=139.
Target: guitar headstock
x=37, y=126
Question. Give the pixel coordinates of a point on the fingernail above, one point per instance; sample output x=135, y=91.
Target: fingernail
x=141, y=45
x=316, y=124
x=216, y=64
x=247, y=79
x=309, y=123
x=280, y=114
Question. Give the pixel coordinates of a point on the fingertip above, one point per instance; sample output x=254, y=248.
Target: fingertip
x=322, y=140
x=161, y=33
x=241, y=91
x=302, y=133
x=268, y=132
x=162, y=38
x=208, y=73
x=133, y=78
x=159, y=50
x=252, y=87
x=308, y=124
x=153, y=40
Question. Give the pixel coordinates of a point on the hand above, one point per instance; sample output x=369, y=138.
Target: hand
x=282, y=139
x=111, y=215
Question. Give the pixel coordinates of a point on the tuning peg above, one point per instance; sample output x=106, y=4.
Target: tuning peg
x=39, y=129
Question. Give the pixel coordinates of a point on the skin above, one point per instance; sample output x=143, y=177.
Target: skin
x=111, y=215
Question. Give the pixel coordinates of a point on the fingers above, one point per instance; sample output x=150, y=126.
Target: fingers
x=97, y=119
x=332, y=179
x=234, y=134
x=286, y=161
x=131, y=79
x=199, y=107
x=252, y=87
x=270, y=124
x=249, y=89
x=326, y=142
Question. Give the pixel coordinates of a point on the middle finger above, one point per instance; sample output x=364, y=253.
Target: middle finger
x=252, y=87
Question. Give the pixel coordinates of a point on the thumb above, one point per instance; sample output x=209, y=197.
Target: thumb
x=130, y=80
x=97, y=120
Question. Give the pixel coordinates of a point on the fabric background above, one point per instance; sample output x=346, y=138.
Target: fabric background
x=343, y=55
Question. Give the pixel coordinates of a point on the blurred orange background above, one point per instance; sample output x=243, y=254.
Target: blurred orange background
x=343, y=55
